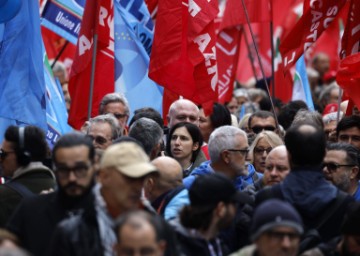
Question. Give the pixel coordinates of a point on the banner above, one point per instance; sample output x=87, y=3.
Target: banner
x=133, y=42
x=315, y=20
x=64, y=17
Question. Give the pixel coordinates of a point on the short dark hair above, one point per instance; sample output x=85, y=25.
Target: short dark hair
x=194, y=132
x=288, y=112
x=348, y=122
x=149, y=113
x=34, y=142
x=352, y=153
x=306, y=148
x=196, y=217
x=74, y=139
x=220, y=116
x=260, y=114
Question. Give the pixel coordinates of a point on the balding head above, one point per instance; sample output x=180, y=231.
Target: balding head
x=276, y=166
x=169, y=176
x=183, y=110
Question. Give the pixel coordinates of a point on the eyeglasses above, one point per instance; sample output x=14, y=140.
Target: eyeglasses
x=80, y=170
x=258, y=129
x=279, y=236
x=118, y=115
x=244, y=152
x=4, y=154
x=332, y=167
x=98, y=139
x=261, y=151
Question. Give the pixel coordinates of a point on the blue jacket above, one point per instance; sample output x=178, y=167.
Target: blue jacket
x=205, y=168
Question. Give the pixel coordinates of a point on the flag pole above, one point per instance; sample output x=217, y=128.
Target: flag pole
x=59, y=54
x=250, y=54
x=92, y=77
x=272, y=51
x=259, y=59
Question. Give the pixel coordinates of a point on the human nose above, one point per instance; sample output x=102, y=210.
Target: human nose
x=286, y=242
x=72, y=176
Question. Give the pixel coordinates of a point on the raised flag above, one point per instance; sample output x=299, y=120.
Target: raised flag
x=350, y=43
x=64, y=17
x=133, y=42
x=56, y=114
x=97, y=20
x=301, y=89
x=22, y=86
x=315, y=20
x=183, y=56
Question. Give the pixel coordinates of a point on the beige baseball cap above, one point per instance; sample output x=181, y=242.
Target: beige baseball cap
x=128, y=158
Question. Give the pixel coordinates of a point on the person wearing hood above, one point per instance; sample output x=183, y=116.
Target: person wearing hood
x=36, y=218
x=305, y=187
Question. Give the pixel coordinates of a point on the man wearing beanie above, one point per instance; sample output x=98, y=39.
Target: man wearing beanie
x=275, y=230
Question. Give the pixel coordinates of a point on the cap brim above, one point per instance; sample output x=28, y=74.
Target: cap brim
x=137, y=170
x=9, y=10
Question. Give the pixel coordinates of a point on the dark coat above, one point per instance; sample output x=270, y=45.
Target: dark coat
x=36, y=218
x=35, y=179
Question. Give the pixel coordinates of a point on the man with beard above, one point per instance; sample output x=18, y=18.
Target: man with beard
x=35, y=219
x=212, y=208
x=341, y=168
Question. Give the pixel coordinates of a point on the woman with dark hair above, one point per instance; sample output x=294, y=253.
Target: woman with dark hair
x=184, y=144
x=219, y=117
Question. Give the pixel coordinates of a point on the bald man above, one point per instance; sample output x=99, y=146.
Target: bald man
x=183, y=110
x=165, y=190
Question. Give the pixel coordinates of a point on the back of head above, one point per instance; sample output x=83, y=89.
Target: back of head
x=223, y=138
x=274, y=213
x=220, y=116
x=29, y=143
x=147, y=132
x=288, y=112
x=306, y=145
x=149, y=113
x=304, y=116
x=74, y=139
x=348, y=122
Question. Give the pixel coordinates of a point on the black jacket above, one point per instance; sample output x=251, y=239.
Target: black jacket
x=40, y=214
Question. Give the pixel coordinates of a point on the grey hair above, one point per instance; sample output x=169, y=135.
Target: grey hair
x=332, y=117
x=111, y=120
x=147, y=132
x=306, y=116
x=223, y=138
x=325, y=93
x=113, y=98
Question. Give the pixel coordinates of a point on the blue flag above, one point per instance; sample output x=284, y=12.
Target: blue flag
x=22, y=86
x=64, y=17
x=301, y=89
x=56, y=113
x=133, y=34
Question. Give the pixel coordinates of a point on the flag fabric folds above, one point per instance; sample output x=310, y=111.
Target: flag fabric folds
x=183, y=58
x=22, y=86
x=97, y=19
x=317, y=17
x=301, y=89
x=133, y=42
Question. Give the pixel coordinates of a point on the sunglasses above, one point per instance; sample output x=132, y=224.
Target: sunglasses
x=98, y=139
x=261, y=151
x=4, y=154
x=332, y=167
x=258, y=129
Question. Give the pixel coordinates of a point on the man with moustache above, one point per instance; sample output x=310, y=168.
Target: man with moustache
x=35, y=219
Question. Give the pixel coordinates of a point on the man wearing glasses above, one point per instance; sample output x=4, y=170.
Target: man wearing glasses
x=262, y=120
x=22, y=152
x=341, y=168
x=73, y=161
x=103, y=130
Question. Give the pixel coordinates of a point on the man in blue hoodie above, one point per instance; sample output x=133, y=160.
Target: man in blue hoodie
x=228, y=148
x=321, y=205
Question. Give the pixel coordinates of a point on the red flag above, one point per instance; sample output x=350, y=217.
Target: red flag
x=315, y=20
x=97, y=19
x=183, y=54
x=258, y=11
x=348, y=76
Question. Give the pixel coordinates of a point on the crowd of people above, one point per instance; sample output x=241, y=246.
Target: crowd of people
x=241, y=181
